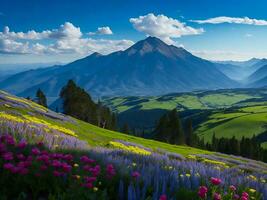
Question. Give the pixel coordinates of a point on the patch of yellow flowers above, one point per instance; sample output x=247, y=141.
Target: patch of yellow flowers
x=215, y=162
x=36, y=121
x=132, y=149
x=27, y=102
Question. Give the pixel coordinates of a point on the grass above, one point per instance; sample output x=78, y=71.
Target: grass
x=94, y=135
x=247, y=121
x=184, y=101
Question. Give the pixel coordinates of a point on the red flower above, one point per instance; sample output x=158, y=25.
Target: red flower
x=163, y=197
x=215, y=181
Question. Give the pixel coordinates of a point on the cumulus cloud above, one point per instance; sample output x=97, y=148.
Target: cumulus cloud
x=66, y=39
x=163, y=27
x=102, y=31
x=232, y=20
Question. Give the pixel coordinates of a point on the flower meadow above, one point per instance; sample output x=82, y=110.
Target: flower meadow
x=30, y=171
x=41, y=158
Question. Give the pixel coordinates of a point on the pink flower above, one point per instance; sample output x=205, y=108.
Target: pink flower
x=22, y=144
x=202, y=192
x=66, y=168
x=10, y=140
x=8, y=166
x=43, y=167
x=56, y=163
x=215, y=181
x=244, y=198
x=232, y=188
x=245, y=194
x=217, y=196
x=136, y=174
x=8, y=156
x=110, y=171
x=95, y=170
x=35, y=151
x=163, y=197
x=90, y=179
x=68, y=157
x=2, y=148
x=21, y=156
x=87, y=160
x=88, y=185
x=23, y=171
x=56, y=173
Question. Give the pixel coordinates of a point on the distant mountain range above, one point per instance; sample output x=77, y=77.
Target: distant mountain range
x=149, y=67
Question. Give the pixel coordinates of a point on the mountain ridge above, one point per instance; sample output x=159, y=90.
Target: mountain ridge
x=149, y=67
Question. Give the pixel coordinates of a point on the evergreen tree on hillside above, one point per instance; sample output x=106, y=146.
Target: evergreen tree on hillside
x=79, y=104
x=169, y=128
x=41, y=98
x=125, y=129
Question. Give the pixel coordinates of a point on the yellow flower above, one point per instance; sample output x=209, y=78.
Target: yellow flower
x=95, y=189
x=78, y=177
x=197, y=174
x=76, y=165
x=187, y=175
x=134, y=164
x=252, y=190
x=181, y=175
x=170, y=167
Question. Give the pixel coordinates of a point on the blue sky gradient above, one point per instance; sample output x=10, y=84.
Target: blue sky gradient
x=221, y=41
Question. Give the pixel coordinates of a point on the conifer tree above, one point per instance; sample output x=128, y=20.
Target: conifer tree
x=41, y=98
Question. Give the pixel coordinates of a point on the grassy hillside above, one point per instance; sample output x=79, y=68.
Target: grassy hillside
x=243, y=121
x=22, y=111
x=193, y=100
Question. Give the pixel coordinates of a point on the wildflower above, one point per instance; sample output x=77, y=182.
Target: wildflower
x=217, y=196
x=215, y=181
x=66, y=167
x=236, y=196
x=90, y=179
x=202, y=192
x=134, y=164
x=2, y=148
x=21, y=156
x=88, y=185
x=95, y=189
x=252, y=190
x=43, y=167
x=76, y=177
x=23, y=171
x=22, y=144
x=56, y=173
x=8, y=166
x=245, y=194
x=110, y=171
x=187, y=175
x=163, y=197
x=136, y=174
x=8, y=156
x=232, y=188
x=244, y=198
x=76, y=165
x=35, y=151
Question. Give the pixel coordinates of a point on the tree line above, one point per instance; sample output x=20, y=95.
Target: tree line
x=79, y=104
x=170, y=129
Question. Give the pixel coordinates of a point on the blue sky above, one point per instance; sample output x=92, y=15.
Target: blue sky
x=62, y=31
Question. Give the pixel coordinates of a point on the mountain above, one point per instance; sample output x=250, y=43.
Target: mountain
x=246, y=63
x=149, y=67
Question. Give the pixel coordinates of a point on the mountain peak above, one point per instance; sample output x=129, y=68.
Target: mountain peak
x=95, y=54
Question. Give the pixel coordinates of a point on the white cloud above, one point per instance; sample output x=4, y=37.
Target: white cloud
x=248, y=35
x=232, y=20
x=66, y=39
x=102, y=31
x=163, y=27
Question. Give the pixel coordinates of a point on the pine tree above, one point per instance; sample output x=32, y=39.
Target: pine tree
x=125, y=129
x=41, y=98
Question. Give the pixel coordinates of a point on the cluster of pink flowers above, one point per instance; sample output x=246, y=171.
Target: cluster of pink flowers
x=17, y=160
x=203, y=191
